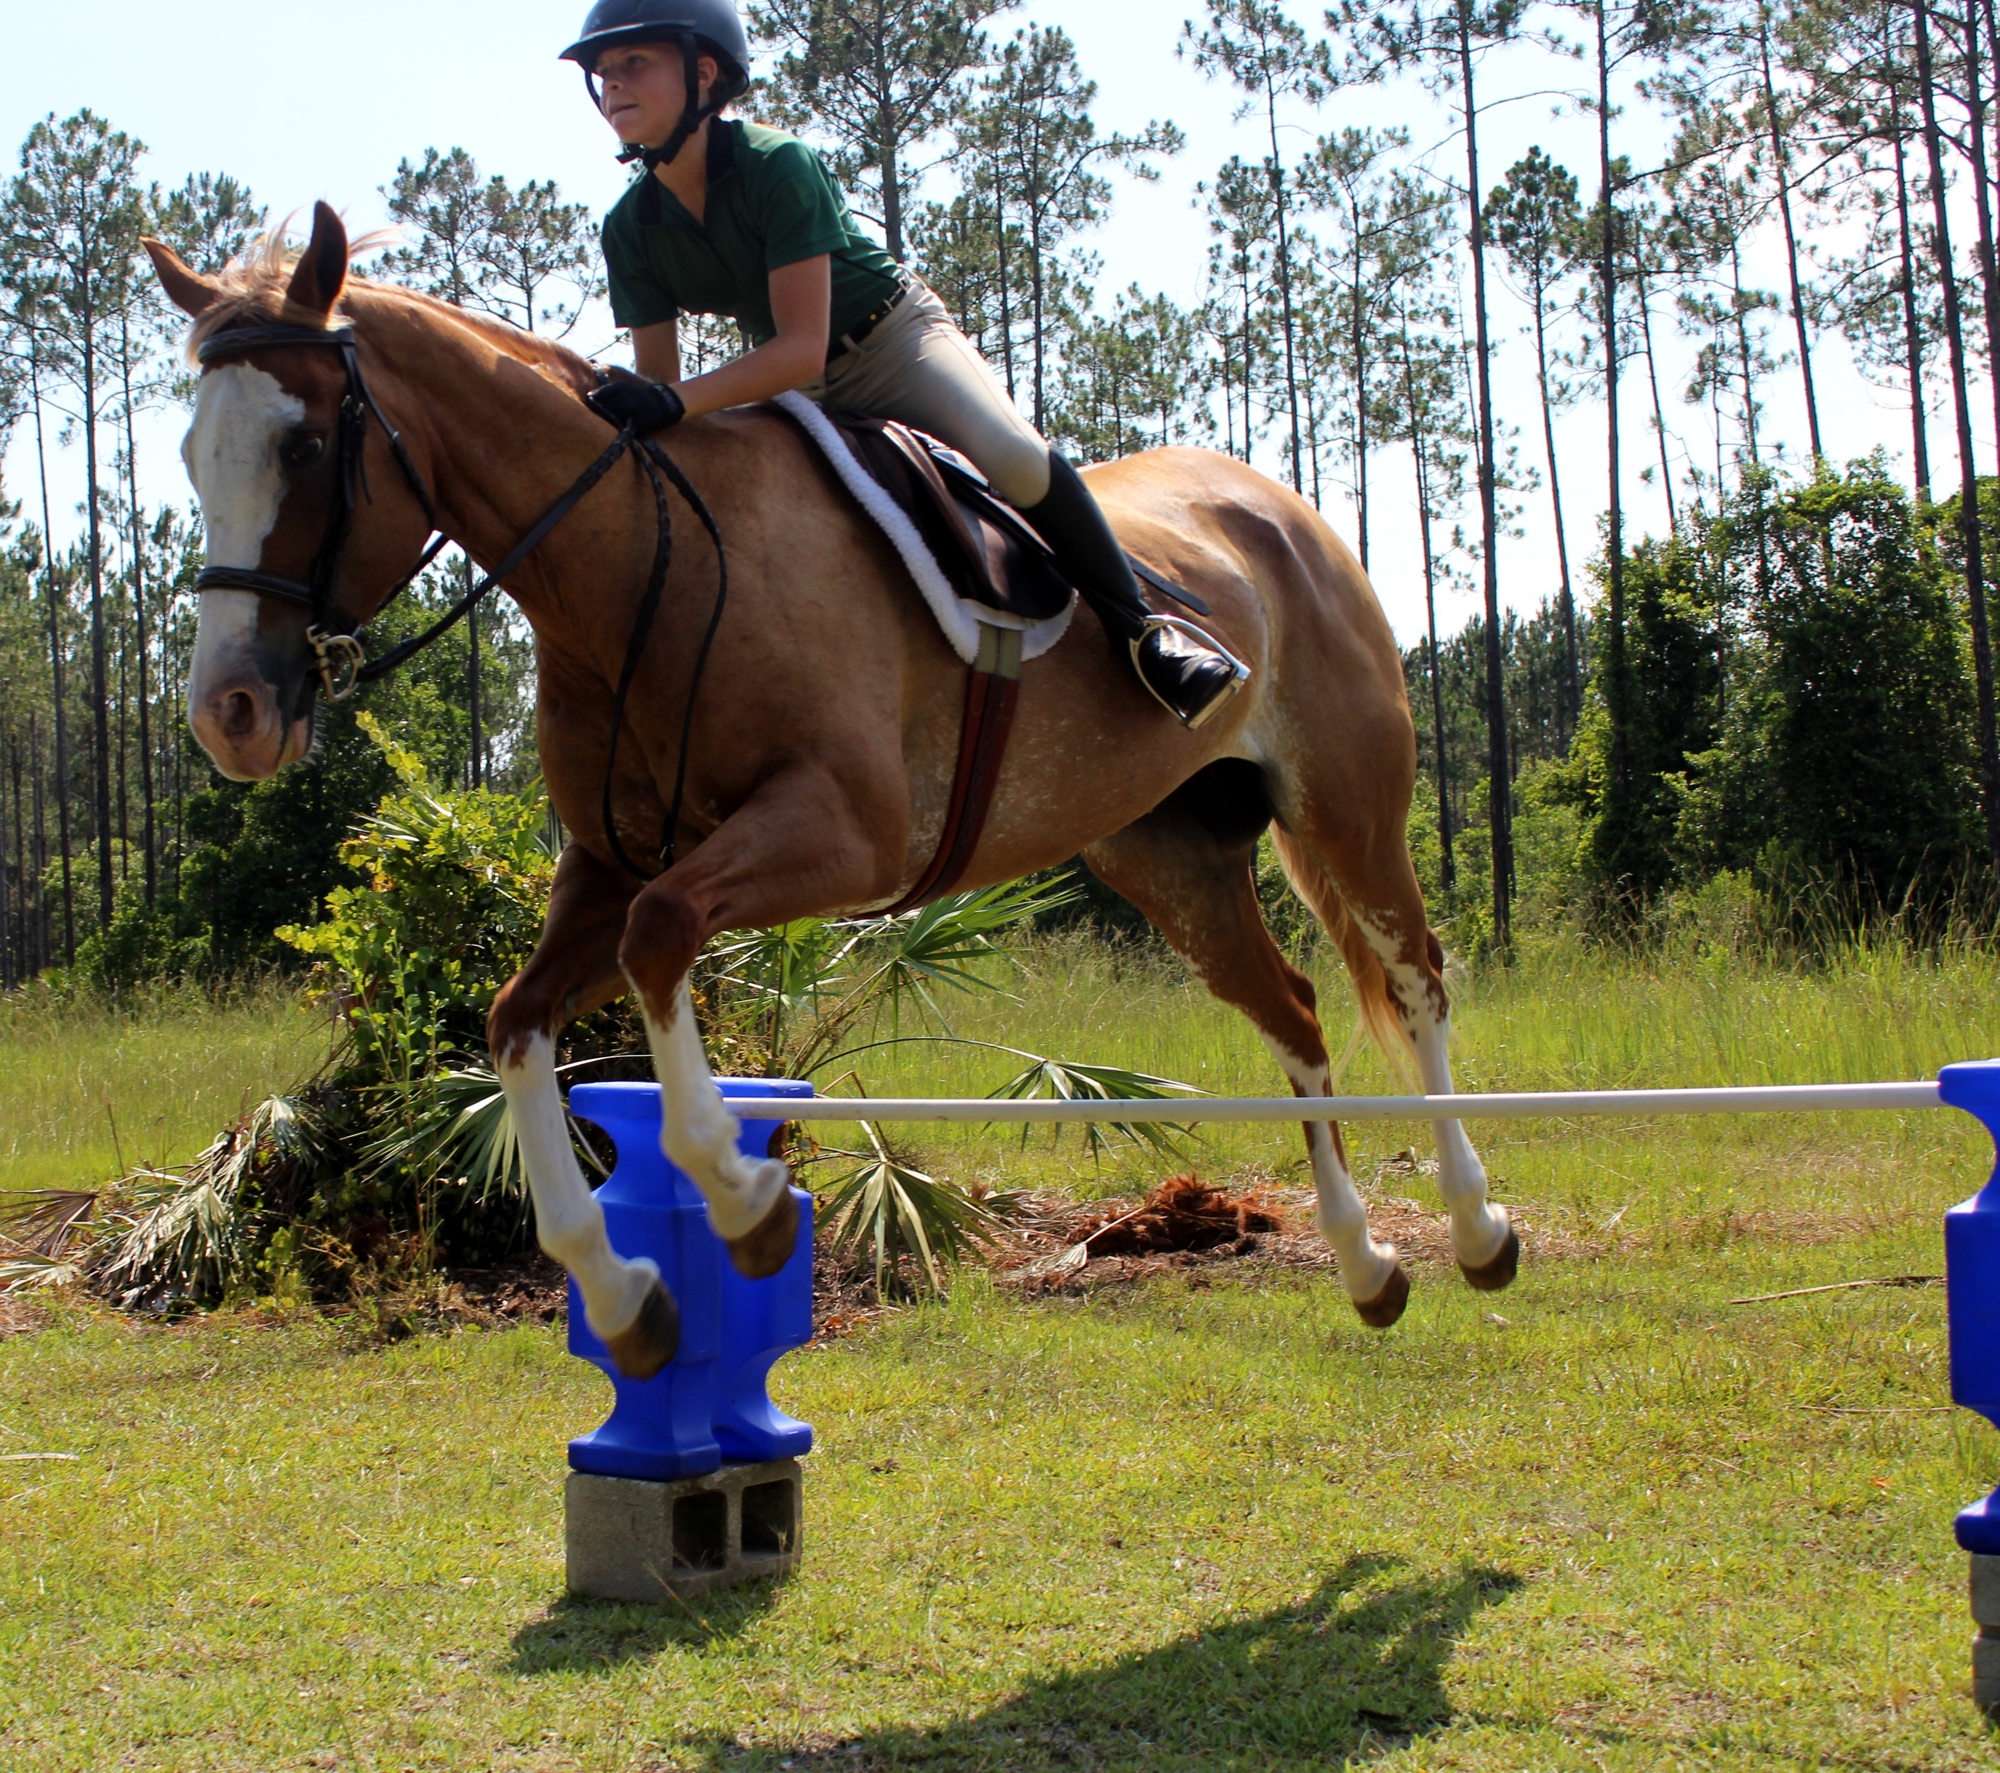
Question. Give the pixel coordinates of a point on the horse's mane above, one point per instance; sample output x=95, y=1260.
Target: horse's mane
x=255, y=288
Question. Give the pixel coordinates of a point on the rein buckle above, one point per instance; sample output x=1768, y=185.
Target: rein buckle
x=340, y=657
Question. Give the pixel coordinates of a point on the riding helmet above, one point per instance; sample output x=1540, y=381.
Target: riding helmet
x=713, y=24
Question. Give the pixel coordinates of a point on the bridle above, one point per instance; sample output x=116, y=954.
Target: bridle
x=336, y=638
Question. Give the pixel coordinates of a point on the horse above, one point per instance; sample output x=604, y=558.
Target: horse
x=815, y=768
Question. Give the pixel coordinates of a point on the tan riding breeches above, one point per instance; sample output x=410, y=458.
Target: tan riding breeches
x=918, y=367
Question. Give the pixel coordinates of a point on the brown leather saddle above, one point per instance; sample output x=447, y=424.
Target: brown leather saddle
x=987, y=550
x=991, y=555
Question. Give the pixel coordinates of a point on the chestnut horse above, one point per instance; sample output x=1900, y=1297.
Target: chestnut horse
x=826, y=731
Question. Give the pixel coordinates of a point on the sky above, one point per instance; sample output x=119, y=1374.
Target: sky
x=302, y=103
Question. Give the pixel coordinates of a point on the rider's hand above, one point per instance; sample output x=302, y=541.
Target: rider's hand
x=627, y=400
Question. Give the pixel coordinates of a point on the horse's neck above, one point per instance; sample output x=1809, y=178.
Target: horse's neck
x=500, y=441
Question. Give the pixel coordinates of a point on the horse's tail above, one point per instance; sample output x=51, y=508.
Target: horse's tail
x=1381, y=1020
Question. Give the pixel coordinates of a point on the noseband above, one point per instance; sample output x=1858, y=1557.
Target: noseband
x=343, y=662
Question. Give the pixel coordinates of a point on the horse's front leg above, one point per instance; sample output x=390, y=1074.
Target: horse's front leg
x=795, y=849
x=575, y=970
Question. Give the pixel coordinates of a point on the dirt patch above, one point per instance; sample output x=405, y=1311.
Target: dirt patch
x=21, y=1314
x=1182, y=1214
x=1061, y=1246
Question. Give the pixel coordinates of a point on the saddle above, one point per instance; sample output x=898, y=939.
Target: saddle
x=986, y=553
x=987, y=550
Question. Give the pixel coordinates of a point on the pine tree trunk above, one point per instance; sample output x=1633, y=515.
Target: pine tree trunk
x=1447, y=867
x=1989, y=267
x=1500, y=784
x=1968, y=466
x=1653, y=377
x=475, y=762
x=29, y=896
x=1006, y=288
x=892, y=184
x=1037, y=293
x=99, y=662
x=1913, y=345
x=7, y=972
x=47, y=943
x=1285, y=285
x=57, y=686
x=1781, y=169
x=139, y=622
x=1616, y=688
x=1572, y=702
x=1745, y=358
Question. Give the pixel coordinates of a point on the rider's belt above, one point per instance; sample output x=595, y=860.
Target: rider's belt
x=853, y=337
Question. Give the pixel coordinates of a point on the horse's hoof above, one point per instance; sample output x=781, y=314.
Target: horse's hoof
x=651, y=1340
x=1497, y=1275
x=760, y=1252
x=1387, y=1306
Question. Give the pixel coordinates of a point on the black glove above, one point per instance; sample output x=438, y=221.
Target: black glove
x=646, y=407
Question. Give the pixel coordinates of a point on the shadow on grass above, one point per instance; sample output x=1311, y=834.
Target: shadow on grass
x=1355, y=1671
x=577, y=1635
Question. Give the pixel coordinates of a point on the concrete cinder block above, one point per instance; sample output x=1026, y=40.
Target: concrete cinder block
x=1986, y=1672
x=631, y=1540
x=1986, y=1592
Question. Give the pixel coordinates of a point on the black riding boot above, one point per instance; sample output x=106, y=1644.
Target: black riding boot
x=1188, y=673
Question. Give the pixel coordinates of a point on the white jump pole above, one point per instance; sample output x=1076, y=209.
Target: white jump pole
x=1529, y=1105
x=1972, y=1231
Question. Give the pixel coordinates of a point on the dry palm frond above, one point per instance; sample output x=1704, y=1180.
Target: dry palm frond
x=183, y=1234
x=886, y=1207
x=42, y=1221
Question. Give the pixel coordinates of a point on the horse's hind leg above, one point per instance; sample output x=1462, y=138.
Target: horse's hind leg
x=1188, y=867
x=1367, y=895
x=574, y=970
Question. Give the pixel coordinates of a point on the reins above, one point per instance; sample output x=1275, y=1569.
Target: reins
x=336, y=639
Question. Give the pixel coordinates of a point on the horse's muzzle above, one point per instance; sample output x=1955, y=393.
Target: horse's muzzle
x=245, y=729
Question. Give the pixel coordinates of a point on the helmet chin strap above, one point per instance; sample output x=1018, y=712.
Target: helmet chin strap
x=693, y=114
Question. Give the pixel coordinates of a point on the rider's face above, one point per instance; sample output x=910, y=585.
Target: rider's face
x=645, y=90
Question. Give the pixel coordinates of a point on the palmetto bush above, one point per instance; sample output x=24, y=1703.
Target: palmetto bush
x=401, y=1152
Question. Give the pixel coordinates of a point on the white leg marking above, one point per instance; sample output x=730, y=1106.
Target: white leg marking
x=1365, y=1265
x=568, y=1221
x=1478, y=1227
x=700, y=1134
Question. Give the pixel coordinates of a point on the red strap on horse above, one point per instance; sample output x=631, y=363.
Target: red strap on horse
x=992, y=694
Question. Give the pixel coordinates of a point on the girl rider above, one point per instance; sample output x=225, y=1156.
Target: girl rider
x=732, y=218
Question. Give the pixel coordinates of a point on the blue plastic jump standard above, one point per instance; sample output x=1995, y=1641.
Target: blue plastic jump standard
x=710, y=1404
x=1972, y=1270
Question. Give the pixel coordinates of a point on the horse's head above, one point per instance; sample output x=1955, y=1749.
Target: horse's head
x=280, y=456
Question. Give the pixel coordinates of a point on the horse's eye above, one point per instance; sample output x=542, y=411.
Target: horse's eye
x=302, y=452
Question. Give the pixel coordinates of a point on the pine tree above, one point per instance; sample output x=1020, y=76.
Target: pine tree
x=1256, y=46
x=1538, y=223
x=1042, y=164
x=1445, y=41
x=879, y=79
x=74, y=217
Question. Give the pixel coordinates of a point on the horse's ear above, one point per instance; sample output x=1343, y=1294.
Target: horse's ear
x=187, y=289
x=322, y=272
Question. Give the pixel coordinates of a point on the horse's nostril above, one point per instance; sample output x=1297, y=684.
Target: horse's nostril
x=239, y=715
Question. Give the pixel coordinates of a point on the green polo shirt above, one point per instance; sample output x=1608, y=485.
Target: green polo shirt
x=771, y=203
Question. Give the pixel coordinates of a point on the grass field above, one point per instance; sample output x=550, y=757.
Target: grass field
x=1185, y=1526
x=88, y=1090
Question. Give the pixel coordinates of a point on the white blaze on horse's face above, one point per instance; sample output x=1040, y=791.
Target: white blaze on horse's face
x=241, y=415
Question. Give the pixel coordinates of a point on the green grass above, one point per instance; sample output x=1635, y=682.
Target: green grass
x=87, y=1090
x=1570, y=1017
x=1185, y=1527
x=1188, y=1528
